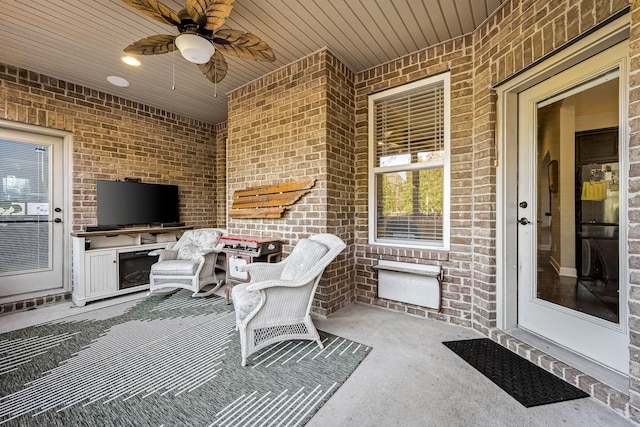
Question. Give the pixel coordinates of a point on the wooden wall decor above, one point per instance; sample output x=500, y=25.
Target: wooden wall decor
x=268, y=201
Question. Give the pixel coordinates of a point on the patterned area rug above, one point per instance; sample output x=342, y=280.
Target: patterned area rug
x=166, y=360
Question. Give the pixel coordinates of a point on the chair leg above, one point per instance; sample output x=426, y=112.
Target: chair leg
x=202, y=293
x=243, y=343
x=161, y=291
x=319, y=341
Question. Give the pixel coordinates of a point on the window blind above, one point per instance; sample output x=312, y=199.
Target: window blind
x=410, y=122
x=24, y=207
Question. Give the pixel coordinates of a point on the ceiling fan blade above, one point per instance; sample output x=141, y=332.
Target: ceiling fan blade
x=155, y=10
x=215, y=69
x=209, y=14
x=160, y=43
x=243, y=45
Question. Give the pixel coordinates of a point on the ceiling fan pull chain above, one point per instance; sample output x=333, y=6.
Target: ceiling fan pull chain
x=173, y=70
x=215, y=81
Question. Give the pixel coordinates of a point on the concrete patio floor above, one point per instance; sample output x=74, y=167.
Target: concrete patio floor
x=411, y=379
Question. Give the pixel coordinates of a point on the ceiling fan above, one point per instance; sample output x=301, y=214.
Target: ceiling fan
x=201, y=40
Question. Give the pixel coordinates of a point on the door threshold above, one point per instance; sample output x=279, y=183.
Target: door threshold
x=601, y=373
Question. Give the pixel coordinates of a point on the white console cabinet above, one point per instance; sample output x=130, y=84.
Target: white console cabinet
x=104, y=262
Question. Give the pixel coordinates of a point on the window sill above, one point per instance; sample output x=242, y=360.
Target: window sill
x=401, y=245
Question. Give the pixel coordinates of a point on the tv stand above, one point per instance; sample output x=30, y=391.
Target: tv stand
x=172, y=224
x=98, y=255
x=100, y=227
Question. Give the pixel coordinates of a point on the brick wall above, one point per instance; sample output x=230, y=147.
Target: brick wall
x=115, y=138
x=220, y=170
x=522, y=32
x=292, y=124
x=634, y=211
x=518, y=35
x=338, y=290
x=267, y=115
x=455, y=56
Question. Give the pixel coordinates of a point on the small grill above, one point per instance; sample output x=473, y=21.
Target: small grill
x=243, y=250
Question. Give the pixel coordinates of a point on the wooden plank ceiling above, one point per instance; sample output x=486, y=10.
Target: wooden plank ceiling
x=81, y=41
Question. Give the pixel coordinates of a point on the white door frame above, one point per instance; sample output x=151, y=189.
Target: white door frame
x=67, y=203
x=602, y=340
x=507, y=157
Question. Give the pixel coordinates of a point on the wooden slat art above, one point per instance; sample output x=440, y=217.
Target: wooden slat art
x=268, y=201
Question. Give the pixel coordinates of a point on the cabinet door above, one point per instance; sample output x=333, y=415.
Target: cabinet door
x=100, y=273
x=597, y=146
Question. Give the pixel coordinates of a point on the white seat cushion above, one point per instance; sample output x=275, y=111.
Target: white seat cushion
x=244, y=301
x=175, y=267
x=304, y=256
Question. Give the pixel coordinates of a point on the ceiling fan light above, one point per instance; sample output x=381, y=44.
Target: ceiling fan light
x=195, y=48
x=130, y=60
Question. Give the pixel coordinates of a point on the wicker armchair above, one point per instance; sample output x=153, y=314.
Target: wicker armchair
x=192, y=263
x=274, y=306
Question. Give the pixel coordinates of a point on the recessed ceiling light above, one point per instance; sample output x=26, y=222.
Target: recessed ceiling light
x=130, y=60
x=118, y=81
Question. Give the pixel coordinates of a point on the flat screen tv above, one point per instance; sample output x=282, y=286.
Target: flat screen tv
x=130, y=203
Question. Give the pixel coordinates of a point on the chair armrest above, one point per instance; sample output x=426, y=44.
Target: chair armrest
x=208, y=256
x=266, y=266
x=164, y=254
x=309, y=276
x=274, y=283
x=170, y=246
x=208, y=252
x=261, y=271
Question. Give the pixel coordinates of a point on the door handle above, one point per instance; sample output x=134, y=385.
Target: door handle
x=57, y=220
x=524, y=221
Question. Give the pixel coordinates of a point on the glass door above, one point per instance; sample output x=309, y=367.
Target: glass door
x=569, y=197
x=31, y=228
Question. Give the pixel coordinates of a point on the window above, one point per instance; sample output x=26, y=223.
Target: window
x=409, y=164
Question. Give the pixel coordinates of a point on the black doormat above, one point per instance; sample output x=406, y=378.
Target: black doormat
x=527, y=383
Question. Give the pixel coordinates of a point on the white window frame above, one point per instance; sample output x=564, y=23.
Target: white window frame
x=445, y=78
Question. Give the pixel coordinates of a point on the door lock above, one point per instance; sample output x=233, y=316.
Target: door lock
x=524, y=221
x=523, y=204
x=57, y=220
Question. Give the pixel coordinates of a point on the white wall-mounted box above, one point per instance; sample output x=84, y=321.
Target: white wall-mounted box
x=417, y=284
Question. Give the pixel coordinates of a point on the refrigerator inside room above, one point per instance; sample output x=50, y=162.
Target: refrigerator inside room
x=597, y=223
x=598, y=231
